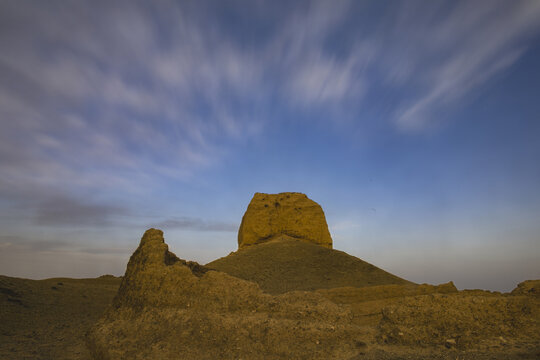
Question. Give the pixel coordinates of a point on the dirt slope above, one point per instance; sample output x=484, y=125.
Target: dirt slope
x=285, y=264
x=47, y=319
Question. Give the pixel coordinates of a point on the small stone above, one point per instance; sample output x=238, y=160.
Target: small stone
x=450, y=343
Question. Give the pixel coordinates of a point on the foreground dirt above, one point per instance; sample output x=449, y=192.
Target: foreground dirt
x=48, y=319
x=168, y=308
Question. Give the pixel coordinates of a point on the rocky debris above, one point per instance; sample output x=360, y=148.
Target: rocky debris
x=351, y=295
x=292, y=215
x=529, y=288
x=468, y=320
x=169, y=308
x=286, y=264
x=450, y=343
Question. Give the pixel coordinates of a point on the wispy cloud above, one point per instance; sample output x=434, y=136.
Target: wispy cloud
x=21, y=244
x=121, y=96
x=187, y=223
x=136, y=95
x=470, y=43
x=62, y=210
x=107, y=96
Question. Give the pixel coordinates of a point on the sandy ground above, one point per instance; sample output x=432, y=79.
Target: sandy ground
x=48, y=319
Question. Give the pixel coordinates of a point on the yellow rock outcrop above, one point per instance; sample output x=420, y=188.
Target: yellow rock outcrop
x=169, y=308
x=287, y=214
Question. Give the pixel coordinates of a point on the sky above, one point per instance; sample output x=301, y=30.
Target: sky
x=414, y=124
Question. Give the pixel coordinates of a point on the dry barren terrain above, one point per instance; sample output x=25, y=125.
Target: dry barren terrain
x=48, y=319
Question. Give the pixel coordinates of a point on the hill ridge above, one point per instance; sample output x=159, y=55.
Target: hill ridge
x=285, y=264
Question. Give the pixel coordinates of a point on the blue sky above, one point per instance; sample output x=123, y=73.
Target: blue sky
x=414, y=124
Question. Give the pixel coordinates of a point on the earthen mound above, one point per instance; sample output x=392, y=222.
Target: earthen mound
x=290, y=214
x=286, y=264
x=168, y=308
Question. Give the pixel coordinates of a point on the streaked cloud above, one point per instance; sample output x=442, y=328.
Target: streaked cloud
x=21, y=244
x=115, y=113
x=138, y=95
x=65, y=211
x=187, y=223
x=466, y=47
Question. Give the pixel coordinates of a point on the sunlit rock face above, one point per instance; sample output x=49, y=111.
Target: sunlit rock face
x=157, y=277
x=169, y=308
x=293, y=215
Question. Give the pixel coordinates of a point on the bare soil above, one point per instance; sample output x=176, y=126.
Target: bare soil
x=285, y=265
x=168, y=308
x=48, y=319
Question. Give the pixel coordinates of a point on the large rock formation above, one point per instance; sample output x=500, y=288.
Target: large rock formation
x=291, y=215
x=168, y=308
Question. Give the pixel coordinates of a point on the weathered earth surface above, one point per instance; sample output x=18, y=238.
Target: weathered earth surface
x=48, y=319
x=461, y=320
x=529, y=287
x=293, y=215
x=285, y=264
x=285, y=294
x=191, y=313
x=168, y=308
